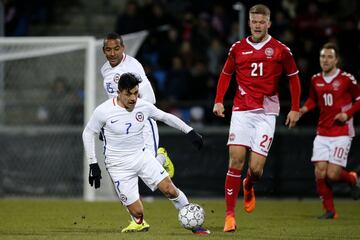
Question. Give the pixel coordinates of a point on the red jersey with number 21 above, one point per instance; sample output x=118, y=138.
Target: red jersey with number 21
x=258, y=68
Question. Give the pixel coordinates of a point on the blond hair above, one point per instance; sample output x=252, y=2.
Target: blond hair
x=260, y=9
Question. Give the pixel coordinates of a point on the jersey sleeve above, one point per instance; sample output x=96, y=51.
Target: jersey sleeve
x=169, y=119
x=310, y=102
x=289, y=62
x=92, y=128
x=355, y=93
x=102, y=70
x=88, y=137
x=295, y=91
x=225, y=75
x=97, y=120
x=146, y=91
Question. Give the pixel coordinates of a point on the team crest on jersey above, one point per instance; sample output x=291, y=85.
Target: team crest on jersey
x=117, y=77
x=231, y=137
x=122, y=197
x=336, y=85
x=269, y=52
x=139, y=116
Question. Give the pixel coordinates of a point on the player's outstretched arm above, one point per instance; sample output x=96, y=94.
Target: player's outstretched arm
x=195, y=138
x=175, y=122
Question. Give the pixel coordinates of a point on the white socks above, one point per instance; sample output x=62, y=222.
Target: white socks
x=180, y=201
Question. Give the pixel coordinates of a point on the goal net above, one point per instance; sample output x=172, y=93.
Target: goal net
x=49, y=86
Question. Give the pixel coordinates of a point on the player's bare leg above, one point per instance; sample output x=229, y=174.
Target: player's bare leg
x=254, y=173
x=137, y=224
x=233, y=184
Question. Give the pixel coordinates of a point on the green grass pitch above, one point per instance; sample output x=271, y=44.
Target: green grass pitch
x=272, y=219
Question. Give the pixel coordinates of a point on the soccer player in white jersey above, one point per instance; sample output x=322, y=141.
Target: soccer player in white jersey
x=122, y=120
x=119, y=63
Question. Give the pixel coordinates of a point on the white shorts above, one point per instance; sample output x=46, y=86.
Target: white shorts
x=151, y=136
x=254, y=130
x=125, y=177
x=331, y=149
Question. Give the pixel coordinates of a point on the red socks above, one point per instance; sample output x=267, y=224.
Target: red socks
x=345, y=176
x=232, y=188
x=326, y=195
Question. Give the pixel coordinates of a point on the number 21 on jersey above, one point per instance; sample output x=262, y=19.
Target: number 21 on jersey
x=257, y=69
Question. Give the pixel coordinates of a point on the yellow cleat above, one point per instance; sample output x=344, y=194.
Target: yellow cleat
x=134, y=227
x=168, y=165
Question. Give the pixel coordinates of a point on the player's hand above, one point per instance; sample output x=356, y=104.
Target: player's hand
x=94, y=175
x=292, y=118
x=219, y=109
x=341, y=117
x=303, y=110
x=196, y=139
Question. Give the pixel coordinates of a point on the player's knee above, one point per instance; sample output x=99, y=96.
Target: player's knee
x=332, y=175
x=320, y=173
x=236, y=162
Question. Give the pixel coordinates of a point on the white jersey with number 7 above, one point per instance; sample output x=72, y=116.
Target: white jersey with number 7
x=123, y=130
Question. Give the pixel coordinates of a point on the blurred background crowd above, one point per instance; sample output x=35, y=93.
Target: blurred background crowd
x=189, y=40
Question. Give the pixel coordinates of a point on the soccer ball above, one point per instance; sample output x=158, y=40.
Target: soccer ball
x=191, y=216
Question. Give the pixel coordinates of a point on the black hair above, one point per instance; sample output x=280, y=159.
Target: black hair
x=128, y=81
x=113, y=36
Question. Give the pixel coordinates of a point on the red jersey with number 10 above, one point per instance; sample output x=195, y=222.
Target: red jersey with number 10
x=258, y=68
x=333, y=96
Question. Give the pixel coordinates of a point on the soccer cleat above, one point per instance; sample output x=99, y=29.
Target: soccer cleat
x=200, y=230
x=134, y=227
x=355, y=189
x=168, y=165
x=328, y=215
x=230, y=224
x=249, y=198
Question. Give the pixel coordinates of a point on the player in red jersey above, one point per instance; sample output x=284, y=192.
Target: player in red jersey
x=337, y=95
x=258, y=62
